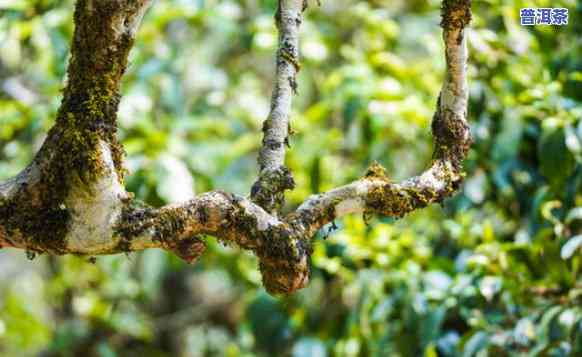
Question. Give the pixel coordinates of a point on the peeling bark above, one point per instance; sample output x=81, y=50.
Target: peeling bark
x=71, y=199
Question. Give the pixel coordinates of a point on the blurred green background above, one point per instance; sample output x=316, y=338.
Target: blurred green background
x=494, y=271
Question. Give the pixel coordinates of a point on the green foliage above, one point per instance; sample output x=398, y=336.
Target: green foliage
x=497, y=270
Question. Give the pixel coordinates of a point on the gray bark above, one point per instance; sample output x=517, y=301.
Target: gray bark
x=274, y=177
x=71, y=198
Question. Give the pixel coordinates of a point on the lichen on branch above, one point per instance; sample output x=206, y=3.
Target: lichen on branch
x=274, y=177
x=70, y=199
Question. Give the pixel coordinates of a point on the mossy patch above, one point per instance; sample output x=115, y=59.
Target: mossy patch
x=269, y=190
x=71, y=154
x=284, y=259
x=455, y=13
x=376, y=171
x=452, y=138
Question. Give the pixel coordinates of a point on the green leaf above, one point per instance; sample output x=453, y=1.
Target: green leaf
x=574, y=215
x=556, y=161
x=476, y=343
x=571, y=246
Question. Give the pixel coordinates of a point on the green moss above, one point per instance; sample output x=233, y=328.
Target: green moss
x=283, y=253
x=269, y=190
x=388, y=201
x=456, y=13
x=284, y=259
x=70, y=155
x=397, y=201
x=43, y=226
x=136, y=218
x=376, y=171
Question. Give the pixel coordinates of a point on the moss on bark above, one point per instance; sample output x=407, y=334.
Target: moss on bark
x=71, y=154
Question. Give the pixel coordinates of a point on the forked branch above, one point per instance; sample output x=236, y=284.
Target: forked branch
x=71, y=201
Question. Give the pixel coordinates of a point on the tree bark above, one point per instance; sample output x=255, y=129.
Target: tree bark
x=71, y=198
x=274, y=177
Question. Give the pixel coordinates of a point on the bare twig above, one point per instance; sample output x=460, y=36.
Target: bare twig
x=274, y=177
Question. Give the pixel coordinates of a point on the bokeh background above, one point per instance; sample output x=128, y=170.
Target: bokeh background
x=494, y=271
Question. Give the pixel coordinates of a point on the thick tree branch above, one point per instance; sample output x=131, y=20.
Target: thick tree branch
x=72, y=191
x=274, y=177
x=87, y=211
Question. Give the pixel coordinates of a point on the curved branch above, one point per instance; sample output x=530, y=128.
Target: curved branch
x=235, y=219
x=97, y=216
x=282, y=247
x=73, y=187
x=452, y=139
x=274, y=177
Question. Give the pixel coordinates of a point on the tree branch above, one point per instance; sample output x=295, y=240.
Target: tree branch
x=96, y=216
x=72, y=191
x=274, y=177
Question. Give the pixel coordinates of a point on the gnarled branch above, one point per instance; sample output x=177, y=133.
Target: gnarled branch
x=71, y=200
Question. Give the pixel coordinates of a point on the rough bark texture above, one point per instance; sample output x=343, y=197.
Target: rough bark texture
x=71, y=199
x=274, y=177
